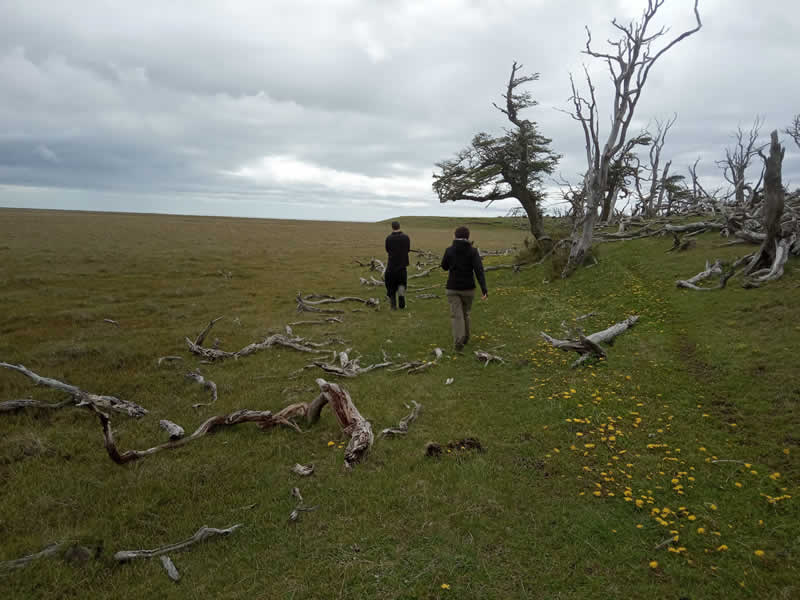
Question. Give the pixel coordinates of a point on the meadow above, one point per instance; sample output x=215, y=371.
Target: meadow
x=668, y=470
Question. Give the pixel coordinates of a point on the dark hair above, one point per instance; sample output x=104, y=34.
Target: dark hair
x=462, y=232
x=395, y=225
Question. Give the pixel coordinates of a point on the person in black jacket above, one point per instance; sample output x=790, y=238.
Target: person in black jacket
x=464, y=264
x=398, y=245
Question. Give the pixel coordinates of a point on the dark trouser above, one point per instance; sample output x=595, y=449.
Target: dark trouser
x=396, y=281
x=460, y=304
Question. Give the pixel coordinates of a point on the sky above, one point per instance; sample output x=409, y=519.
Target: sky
x=340, y=109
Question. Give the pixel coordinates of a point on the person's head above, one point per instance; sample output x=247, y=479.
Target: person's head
x=462, y=233
x=395, y=225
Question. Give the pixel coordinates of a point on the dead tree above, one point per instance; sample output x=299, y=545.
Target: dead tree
x=498, y=168
x=767, y=264
x=631, y=58
x=737, y=160
x=589, y=346
x=794, y=130
x=657, y=175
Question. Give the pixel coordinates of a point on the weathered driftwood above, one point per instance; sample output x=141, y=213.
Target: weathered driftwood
x=111, y=322
x=371, y=281
x=201, y=534
x=308, y=300
x=295, y=514
x=351, y=422
x=207, y=384
x=278, y=339
x=487, y=357
x=303, y=306
x=588, y=346
x=693, y=226
x=170, y=568
x=318, y=321
x=710, y=270
x=775, y=271
x=22, y=403
x=402, y=427
x=303, y=470
x=427, y=296
x=174, y=430
x=79, y=397
x=23, y=562
x=347, y=367
x=418, y=366
x=264, y=419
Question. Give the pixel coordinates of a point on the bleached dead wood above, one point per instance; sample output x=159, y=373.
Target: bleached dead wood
x=22, y=403
x=303, y=470
x=694, y=226
x=80, y=397
x=174, y=430
x=303, y=306
x=200, y=535
x=377, y=265
x=111, y=322
x=164, y=359
x=264, y=419
x=374, y=302
x=588, y=346
x=351, y=422
x=762, y=276
x=417, y=366
x=23, y=562
x=207, y=384
x=347, y=367
x=317, y=322
x=487, y=357
x=710, y=270
x=402, y=427
x=278, y=339
x=371, y=281
x=170, y=568
x=295, y=514
x=427, y=296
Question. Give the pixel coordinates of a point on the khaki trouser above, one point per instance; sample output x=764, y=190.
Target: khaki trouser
x=460, y=304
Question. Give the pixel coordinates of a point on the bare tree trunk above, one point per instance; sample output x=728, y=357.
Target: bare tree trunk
x=773, y=209
x=583, y=242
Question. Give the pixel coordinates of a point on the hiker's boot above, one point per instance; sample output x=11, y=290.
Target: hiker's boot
x=392, y=302
x=401, y=301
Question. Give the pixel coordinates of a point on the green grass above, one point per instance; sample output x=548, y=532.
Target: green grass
x=709, y=376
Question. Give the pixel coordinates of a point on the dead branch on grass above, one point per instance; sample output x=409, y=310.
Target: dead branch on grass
x=22, y=403
x=588, y=346
x=207, y=384
x=80, y=397
x=23, y=562
x=174, y=430
x=402, y=427
x=201, y=534
x=351, y=422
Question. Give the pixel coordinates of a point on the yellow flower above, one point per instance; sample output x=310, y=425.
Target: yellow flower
x=722, y=548
x=737, y=484
x=701, y=530
x=775, y=476
x=331, y=444
x=759, y=553
x=445, y=586
x=653, y=564
x=713, y=507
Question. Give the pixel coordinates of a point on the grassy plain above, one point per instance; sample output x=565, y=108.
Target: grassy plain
x=585, y=471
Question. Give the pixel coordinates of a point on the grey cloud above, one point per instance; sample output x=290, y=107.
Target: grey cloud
x=165, y=100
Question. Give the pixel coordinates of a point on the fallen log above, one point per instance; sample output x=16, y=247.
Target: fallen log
x=80, y=397
x=174, y=430
x=347, y=367
x=200, y=535
x=588, y=346
x=351, y=422
x=710, y=270
x=374, y=302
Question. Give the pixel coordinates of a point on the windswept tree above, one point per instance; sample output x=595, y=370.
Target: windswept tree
x=512, y=165
x=629, y=62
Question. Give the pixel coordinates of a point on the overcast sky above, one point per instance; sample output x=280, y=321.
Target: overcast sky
x=339, y=109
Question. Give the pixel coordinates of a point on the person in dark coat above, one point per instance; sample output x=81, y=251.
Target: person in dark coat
x=398, y=244
x=464, y=264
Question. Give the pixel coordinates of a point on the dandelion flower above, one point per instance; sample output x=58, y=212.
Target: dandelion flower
x=759, y=553
x=722, y=548
x=331, y=444
x=445, y=586
x=653, y=564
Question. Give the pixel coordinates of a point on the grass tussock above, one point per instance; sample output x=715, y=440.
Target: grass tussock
x=668, y=470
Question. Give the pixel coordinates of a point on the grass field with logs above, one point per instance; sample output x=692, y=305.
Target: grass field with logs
x=668, y=470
